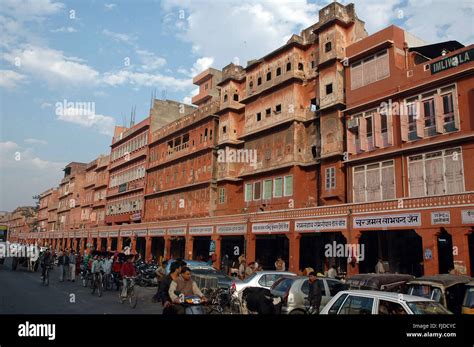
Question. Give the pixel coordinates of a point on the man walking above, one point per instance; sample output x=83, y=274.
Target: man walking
x=314, y=295
x=63, y=262
x=72, y=266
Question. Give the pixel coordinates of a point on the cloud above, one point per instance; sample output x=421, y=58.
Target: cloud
x=52, y=65
x=436, y=21
x=85, y=116
x=64, y=30
x=33, y=141
x=23, y=165
x=241, y=29
x=46, y=105
x=10, y=79
x=118, y=37
x=31, y=9
x=109, y=7
x=188, y=99
x=146, y=79
x=150, y=60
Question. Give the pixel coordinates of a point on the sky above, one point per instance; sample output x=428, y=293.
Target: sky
x=71, y=70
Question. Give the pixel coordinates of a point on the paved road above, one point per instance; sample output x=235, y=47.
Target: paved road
x=21, y=292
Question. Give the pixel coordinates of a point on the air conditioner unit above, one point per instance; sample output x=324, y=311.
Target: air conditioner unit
x=353, y=123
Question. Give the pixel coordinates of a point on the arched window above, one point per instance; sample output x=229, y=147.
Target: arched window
x=288, y=66
x=300, y=66
x=225, y=97
x=278, y=72
x=236, y=97
x=205, y=135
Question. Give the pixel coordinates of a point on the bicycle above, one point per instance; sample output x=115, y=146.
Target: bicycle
x=98, y=282
x=86, y=277
x=132, y=296
x=109, y=282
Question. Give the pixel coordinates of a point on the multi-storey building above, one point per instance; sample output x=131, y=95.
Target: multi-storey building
x=333, y=144
x=69, y=211
x=22, y=221
x=181, y=169
x=48, y=204
x=409, y=126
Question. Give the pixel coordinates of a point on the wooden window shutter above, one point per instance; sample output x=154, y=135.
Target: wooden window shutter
x=416, y=178
x=373, y=184
x=404, y=125
x=351, y=147
x=454, y=173
x=388, y=182
x=389, y=127
x=363, y=134
x=377, y=130
x=359, y=186
x=439, y=113
x=420, y=119
x=434, y=176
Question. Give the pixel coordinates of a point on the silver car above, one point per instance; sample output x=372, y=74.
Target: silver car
x=377, y=302
x=294, y=292
x=259, y=279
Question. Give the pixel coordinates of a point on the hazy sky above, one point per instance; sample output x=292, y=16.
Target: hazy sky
x=111, y=55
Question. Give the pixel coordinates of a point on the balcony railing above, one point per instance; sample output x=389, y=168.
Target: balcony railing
x=185, y=121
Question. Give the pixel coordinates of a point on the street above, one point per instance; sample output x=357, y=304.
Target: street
x=21, y=292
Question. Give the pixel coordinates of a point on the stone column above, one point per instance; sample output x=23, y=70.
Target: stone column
x=462, y=264
x=429, y=237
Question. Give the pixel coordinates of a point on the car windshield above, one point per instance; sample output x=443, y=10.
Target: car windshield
x=469, y=298
x=425, y=291
x=251, y=277
x=427, y=307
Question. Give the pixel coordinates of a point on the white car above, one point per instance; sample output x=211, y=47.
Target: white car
x=259, y=279
x=379, y=302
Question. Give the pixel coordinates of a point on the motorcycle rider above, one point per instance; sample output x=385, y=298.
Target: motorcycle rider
x=175, y=271
x=184, y=284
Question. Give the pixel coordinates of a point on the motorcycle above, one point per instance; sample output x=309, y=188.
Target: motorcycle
x=146, y=274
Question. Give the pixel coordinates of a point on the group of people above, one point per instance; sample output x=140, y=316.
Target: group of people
x=67, y=261
x=241, y=268
x=176, y=285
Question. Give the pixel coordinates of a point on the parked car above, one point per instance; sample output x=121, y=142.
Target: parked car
x=379, y=302
x=294, y=290
x=201, y=268
x=448, y=290
x=259, y=279
x=386, y=282
x=468, y=302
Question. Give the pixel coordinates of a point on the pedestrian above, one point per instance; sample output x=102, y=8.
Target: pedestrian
x=242, y=269
x=249, y=269
x=72, y=266
x=332, y=272
x=280, y=264
x=234, y=268
x=225, y=263
x=379, y=267
x=314, y=295
x=63, y=263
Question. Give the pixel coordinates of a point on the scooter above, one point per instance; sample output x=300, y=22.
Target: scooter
x=192, y=304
